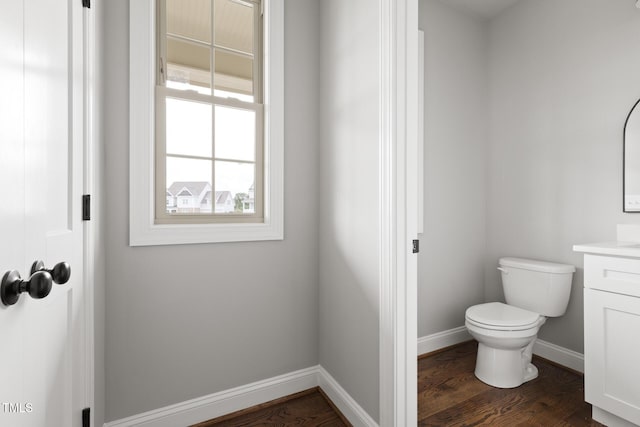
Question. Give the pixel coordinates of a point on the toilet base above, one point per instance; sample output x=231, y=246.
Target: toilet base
x=504, y=368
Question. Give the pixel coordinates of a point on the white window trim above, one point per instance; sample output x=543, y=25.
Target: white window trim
x=142, y=228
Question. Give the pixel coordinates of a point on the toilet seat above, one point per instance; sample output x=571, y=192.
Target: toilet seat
x=502, y=317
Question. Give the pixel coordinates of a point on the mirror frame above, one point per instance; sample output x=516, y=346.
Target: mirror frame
x=624, y=155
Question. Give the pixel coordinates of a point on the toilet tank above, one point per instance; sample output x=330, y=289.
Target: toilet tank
x=539, y=286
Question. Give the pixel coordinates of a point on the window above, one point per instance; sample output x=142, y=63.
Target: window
x=209, y=110
x=206, y=137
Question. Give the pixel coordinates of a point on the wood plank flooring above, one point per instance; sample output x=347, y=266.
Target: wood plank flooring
x=309, y=408
x=450, y=395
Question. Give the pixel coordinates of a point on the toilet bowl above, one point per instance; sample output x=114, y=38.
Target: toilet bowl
x=506, y=333
x=505, y=336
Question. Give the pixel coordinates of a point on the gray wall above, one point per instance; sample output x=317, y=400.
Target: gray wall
x=451, y=261
x=554, y=82
x=186, y=321
x=564, y=75
x=349, y=264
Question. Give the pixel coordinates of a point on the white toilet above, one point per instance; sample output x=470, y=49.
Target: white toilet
x=534, y=290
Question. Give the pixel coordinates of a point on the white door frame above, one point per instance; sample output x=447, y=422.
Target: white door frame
x=398, y=212
x=91, y=185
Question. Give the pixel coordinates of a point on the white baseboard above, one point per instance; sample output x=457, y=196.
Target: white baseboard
x=440, y=340
x=224, y=402
x=343, y=401
x=555, y=353
x=560, y=355
x=228, y=401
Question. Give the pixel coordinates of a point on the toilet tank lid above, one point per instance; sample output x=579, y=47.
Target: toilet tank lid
x=535, y=265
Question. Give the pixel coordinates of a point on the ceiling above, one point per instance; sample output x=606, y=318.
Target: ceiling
x=485, y=9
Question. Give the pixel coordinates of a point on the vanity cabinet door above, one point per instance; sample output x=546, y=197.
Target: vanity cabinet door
x=612, y=353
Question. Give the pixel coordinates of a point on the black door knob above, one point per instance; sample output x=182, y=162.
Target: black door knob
x=61, y=272
x=38, y=286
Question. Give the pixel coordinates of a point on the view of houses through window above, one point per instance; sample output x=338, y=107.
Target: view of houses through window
x=198, y=197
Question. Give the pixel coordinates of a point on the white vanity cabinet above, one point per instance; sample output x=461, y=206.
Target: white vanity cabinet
x=612, y=332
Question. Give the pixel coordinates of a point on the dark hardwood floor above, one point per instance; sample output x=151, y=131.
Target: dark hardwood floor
x=308, y=408
x=450, y=395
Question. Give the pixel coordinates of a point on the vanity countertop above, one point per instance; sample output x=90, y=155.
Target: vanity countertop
x=625, y=249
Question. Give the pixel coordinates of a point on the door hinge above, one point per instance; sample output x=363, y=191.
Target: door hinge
x=86, y=417
x=86, y=3
x=86, y=207
x=416, y=246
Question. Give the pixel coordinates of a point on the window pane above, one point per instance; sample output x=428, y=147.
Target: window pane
x=238, y=179
x=234, y=72
x=190, y=18
x=188, y=186
x=235, y=134
x=234, y=25
x=188, y=128
x=188, y=66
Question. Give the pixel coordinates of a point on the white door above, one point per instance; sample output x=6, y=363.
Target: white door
x=42, y=357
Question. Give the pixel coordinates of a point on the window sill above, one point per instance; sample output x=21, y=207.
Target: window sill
x=182, y=234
